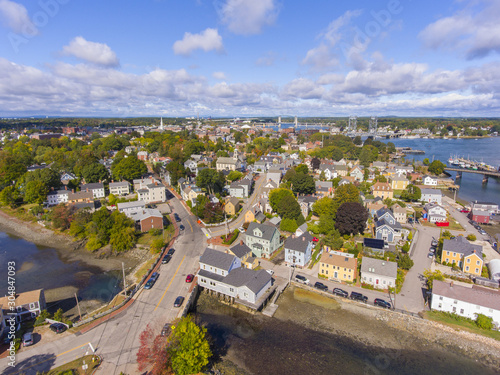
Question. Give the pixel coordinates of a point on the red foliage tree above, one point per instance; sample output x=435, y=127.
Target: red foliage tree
x=153, y=353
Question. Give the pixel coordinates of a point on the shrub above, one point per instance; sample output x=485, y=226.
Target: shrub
x=471, y=237
x=484, y=322
x=58, y=315
x=231, y=238
x=405, y=262
x=405, y=248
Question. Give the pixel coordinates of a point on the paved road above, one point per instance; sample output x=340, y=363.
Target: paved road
x=221, y=229
x=117, y=340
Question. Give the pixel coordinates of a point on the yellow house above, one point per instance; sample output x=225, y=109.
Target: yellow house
x=244, y=253
x=399, y=183
x=338, y=266
x=232, y=206
x=468, y=257
x=249, y=216
x=382, y=190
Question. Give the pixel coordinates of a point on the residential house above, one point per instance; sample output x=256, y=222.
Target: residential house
x=479, y=216
x=67, y=177
x=244, y=253
x=301, y=230
x=429, y=180
x=146, y=219
x=225, y=163
x=263, y=239
x=387, y=228
x=328, y=170
x=342, y=170
x=380, y=274
x=80, y=197
x=382, y=190
x=357, y=173
x=399, y=183
x=380, y=165
x=232, y=206
x=374, y=206
x=399, y=213
x=128, y=207
x=324, y=188
x=142, y=155
x=96, y=188
x=490, y=207
x=142, y=182
x=434, y=213
x=461, y=252
x=240, y=189
x=56, y=197
x=191, y=165
x=403, y=170
x=28, y=305
x=119, y=188
x=274, y=176
x=222, y=273
x=152, y=193
x=268, y=186
x=338, y=266
x=298, y=250
x=466, y=301
x=431, y=196
x=190, y=193
x=306, y=202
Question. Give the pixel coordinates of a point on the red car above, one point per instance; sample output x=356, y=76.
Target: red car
x=465, y=211
x=315, y=239
x=189, y=278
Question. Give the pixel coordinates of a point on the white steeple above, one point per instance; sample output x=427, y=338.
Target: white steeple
x=161, y=123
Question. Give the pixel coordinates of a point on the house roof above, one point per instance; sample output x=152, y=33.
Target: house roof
x=477, y=212
x=211, y=275
x=461, y=245
x=125, y=205
x=92, y=186
x=267, y=230
x=299, y=243
x=240, y=250
x=23, y=298
x=339, y=260
x=399, y=178
x=234, y=201
x=80, y=195
x=226, y=160
x=381, y=186
x=217, y=259
x=253, y=280
x=379, y=267
x=398, y=209
x=476, y=295
x=383, y=222
x=431, y=191
x=118, y=184
x=145, y=213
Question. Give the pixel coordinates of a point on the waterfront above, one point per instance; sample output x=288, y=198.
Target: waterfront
x=45, y=267
x=479, y=149
x=328, y=337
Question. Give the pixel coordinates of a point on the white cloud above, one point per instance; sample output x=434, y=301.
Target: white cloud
x=303, y=88
x=267, y=60
x=246, y=17
x=15, y=16
x=219, y=75
x=473, y=31
x=207, y=40
x=95, y=53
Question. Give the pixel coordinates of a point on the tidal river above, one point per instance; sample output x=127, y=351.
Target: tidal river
x=478, y=149
x=44, y=267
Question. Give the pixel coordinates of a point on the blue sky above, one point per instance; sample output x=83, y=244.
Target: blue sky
x=249, y=58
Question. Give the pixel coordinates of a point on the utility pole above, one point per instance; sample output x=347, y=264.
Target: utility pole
x=78, y=305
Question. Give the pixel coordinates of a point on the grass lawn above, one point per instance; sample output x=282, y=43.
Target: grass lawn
x=438, y=316
x=145, y=267
x=75, y=367
x=314, y=258
x=147, y=239
x=19, y=213
x=454, y=225
x=276, y=253
x=315, y=298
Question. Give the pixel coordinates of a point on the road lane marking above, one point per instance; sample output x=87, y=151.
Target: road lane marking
x=50, y=359
x=170, y=283
x=190, y=226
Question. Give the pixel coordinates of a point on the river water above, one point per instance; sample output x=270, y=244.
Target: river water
x=43, y=267
x=478, y=149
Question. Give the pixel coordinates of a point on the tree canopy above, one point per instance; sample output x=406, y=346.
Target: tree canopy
x=210, y=180
x=303, y=183
x=343, y=194
x=436, y=167
x=411, y=193
x=351, y=218
x=276, y=195
x=128, y=168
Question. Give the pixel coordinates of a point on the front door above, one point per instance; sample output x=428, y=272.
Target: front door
x=335, y=275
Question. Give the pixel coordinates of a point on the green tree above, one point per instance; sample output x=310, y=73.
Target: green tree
x=326, y=224
x=405, y=262
x=471, y=237
x=288, y=225
x=95, y=172
x=112, y=200
x=343, y=194
x=80, y=219
x=10, y=169
x=36, y=192
x=357, y=140
x=48, y=176
x=276, y=195
x=188, y=347
x=234, y=176
x=210, y=180
x=412, y=193
x=391, y=148
x=58, y=315
x=324, y=206
x=62, y=216
x=426, y=161
x=302, y=168
x=484, y=322
x=351, y=218
x=289, y=208
x=122, y=239
x=176, y=171
x=129, y=168
x=303, y=183
x=436, y=167
x=9, y=196
x=431, y=276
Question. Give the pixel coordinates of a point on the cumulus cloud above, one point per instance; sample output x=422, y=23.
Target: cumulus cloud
x=92, y=52
x=246, y=17
x=267, y=60
x=219, y=75
x=15, y=16
x=473, y=31
x=207, y=40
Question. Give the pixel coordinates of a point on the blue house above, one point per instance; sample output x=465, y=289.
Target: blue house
x=387, y=228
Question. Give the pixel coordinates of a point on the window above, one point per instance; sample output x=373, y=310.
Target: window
x=447, y=260
x=455, y=302
x=454, y=254
x=447, y=253
x=461, y=311
x=454, y=309
x=478, y=262
x=440, y=298
x=439, y=305
x=477, y=270
x=32, y=306
x=467, y=268
x=384, y=282
x=349, y=276
x=453, y=261
x=468, y=260
x=231, y=289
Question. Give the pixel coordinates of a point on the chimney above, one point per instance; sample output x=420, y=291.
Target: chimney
x=387, y=258
x=451, y=284
x=73, y=191
x=241, y=242
x=100, y=181
x=293, y=235
x=303, y=238
x=65, y=187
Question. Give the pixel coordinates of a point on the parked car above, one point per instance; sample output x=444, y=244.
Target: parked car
x=165, y=330
x=432, y=249
x=359, y=297
x=320, y=286
x=434, y=242
x=482, y=231
x=241, y=229
x=179, y=301
x=382, y=303
x=58, y=327
x=430, y=255
x=171, y=251
x=177, y=218
x=166, y=259
x=315, y=239
x=340, y=292
x=28, y=339
x=152, y=280
x=302, y=279
x=181, y=227
x=189, y=278
x=465, y=211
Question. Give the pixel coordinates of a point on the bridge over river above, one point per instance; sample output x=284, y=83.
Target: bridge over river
x=486, y=174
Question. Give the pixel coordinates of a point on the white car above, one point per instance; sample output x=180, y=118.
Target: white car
x=241, y=229
x=302, y=279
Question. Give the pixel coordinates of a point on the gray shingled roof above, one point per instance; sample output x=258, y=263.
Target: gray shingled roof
x=92, y=186
x=298, y=243
x=431, y=191
x=217, y=259
x=253, y=280
x=267, y=230
x=461, y=245
x=379, y=267
x=210, y=275
x=241, y=250
x=476, y=295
